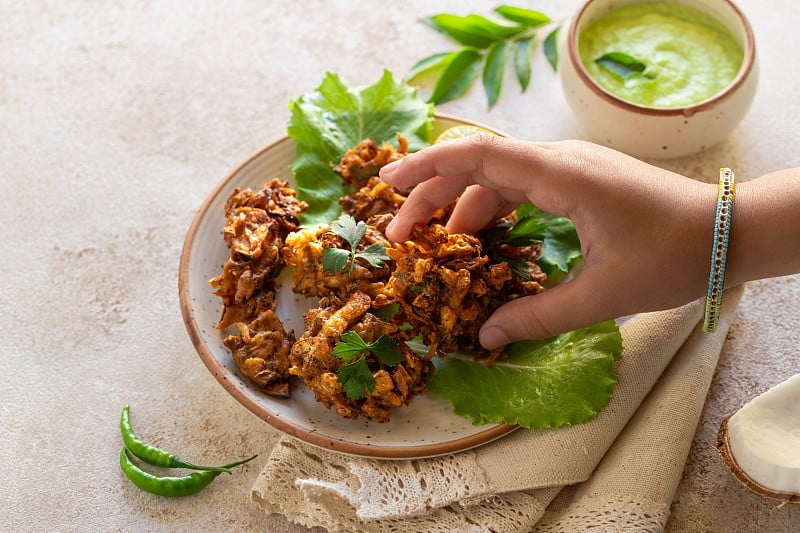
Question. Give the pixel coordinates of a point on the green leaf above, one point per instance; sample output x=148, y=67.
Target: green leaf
x=472, y=30
x=457, y=77
x=564, y=380
x=519, y=267
x=386, y=312
x=622, y=65
x=374, y=254
x=493, y=71
x=348, y=229
x=550, y=48
x=350, y=346
x=526, y=232
x=561, y=248
x=385, y=349
x=356, y=379
x=493, y=29
x=521, y=15
x=523, y=54
x=429, y=64
x=457, y=28
x=327, y=122
x=335, y=259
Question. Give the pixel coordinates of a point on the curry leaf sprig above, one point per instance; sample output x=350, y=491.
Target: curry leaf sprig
x=336, y=259
x=355, y=377
x=486, y=48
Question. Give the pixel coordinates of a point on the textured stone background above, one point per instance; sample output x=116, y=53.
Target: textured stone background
x=118, y=118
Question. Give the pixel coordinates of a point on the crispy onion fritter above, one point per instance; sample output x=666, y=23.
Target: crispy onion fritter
x=257, y=223
x=366, y=158
x=447, y=288
x=313, y=360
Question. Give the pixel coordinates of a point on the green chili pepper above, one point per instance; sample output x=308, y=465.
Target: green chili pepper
x=151, y=454
x=168, y=485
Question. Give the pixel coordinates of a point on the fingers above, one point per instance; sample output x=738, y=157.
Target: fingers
x=477, y=208
x=421, y=204
x=563, y=308
x=507, y=170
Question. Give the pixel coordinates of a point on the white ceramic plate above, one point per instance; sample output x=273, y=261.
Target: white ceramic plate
x=426, y=428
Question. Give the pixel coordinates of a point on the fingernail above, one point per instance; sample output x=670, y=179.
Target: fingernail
x=390, y=169
x=390, y=226
x=493, y=337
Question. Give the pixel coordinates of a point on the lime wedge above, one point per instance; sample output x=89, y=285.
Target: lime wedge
x=457, y=132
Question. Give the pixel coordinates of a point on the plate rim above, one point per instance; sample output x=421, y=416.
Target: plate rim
x=242, y=396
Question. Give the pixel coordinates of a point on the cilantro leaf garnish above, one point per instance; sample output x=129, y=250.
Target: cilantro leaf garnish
x=356, y=379
x=356, y=376
x=336, y=259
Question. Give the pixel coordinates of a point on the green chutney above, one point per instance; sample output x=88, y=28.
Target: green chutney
x=689, y=55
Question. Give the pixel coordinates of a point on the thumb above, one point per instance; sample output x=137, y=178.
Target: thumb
x=565, y=307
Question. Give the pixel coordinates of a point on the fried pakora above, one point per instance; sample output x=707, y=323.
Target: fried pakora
x=447, y=288
x=313, y=360
x=257, y=223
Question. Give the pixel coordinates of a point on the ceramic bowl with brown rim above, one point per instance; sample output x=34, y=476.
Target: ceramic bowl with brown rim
x=651, y=131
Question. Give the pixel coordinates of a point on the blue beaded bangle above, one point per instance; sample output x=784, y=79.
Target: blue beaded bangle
x=719, y=252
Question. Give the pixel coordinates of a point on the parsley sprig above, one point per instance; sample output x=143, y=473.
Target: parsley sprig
x=356, y=377
x=487, y=46
x=336, y=259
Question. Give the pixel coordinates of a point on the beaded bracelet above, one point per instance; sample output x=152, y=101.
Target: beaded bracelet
x=719, y=252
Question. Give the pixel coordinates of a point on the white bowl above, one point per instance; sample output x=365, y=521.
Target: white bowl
x=657, y=132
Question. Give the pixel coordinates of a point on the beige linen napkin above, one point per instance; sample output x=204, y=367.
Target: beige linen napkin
x=638, y=445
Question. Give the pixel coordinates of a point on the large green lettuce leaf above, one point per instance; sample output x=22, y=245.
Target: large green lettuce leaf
x=329, y=121
x=564, y=380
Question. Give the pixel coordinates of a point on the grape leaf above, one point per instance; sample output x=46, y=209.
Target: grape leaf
x=564, y=380
x=327, y=122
